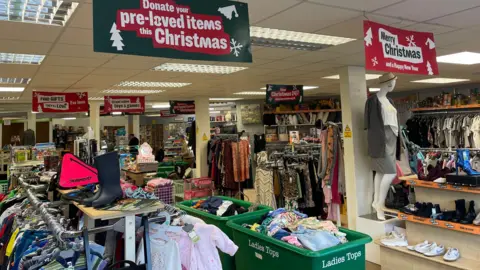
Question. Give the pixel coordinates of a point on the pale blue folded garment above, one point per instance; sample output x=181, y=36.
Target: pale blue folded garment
x=315, y=240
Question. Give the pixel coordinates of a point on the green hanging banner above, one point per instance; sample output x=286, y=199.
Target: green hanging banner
x=213, y=30
x=284, y=94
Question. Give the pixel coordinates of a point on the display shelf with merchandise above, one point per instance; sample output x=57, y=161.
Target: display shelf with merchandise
x=302, y=111
x=446, y=108
x=413, y=180
x=472, y=229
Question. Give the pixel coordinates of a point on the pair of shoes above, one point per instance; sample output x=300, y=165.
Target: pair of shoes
x=411, y=209
x=470, y=216
x=441, y=180
x=461, y=214
x=426, y=210
x=452, y=255
x=463, y=161
x=109, y=191
x=428, y=249
x=395, y=240
x=477, y=220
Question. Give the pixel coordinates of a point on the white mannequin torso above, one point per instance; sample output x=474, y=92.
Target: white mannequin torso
x=389, y=113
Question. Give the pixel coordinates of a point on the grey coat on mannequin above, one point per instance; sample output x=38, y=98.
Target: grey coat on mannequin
x=384, y=180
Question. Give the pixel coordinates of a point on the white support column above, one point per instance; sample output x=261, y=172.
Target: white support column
x=31, y=122
x=136, y=126
x=358, y=175
x=202, y=120
x=95, y=120
x=50, y=130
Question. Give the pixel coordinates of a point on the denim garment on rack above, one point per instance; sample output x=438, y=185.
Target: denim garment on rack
x=315, y=240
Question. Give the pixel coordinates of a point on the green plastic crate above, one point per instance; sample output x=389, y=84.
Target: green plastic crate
x=228, y=262
x=164, y=171
x=258, y=251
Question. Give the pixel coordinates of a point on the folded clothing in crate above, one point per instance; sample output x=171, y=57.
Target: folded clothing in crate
x=218, y=206
x=299, y=230
x=162, y=188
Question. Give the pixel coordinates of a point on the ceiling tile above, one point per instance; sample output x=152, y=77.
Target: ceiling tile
x=446, y=39
x=347, y=48
x=72, y=61
x=362, y=5
x=282, y=64
x=424, y=10
x=81, y=51
x=463, y=19
x=116, y=72
x=308, y=17
x=313, y=57
x=83, y=17
x=29, y=31
x=260, y=10
x=13, y=70
x=318, y=66
x=31, y=47
x=276, y=53
x=436, y=29
x=155, y=76
x=66, y=70
x=77, y=36
x=122, y=64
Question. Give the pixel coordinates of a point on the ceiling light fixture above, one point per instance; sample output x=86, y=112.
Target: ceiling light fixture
x=116, y=113
x=374, y=90
x=251, y=93
x=367, y=77
x=12, y=89
x=225, y=99
x=14, y=80
x=462, y=58
x=214, y=112
x=441, y=80
x=18, y=58
x=277, y=38
x=152, y=84
x=69, y=118
x=192, y=68
x=9, y=98
x=142, y=92
x=305, y=88
x=161, y=106
x=40, y=12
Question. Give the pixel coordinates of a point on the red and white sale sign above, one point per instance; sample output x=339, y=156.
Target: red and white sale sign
x=124, y=104
x=59, y=102
x=400, y=51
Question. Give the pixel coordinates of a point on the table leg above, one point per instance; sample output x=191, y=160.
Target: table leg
x=90, y=224
x=130, y=251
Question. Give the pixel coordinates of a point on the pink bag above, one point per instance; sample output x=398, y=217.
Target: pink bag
x=397, y=181
x=74, y=172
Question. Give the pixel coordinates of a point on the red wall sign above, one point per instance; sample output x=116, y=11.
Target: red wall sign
x=124, y=104
x=59, y=102
x=166, y=113
x=399, y=51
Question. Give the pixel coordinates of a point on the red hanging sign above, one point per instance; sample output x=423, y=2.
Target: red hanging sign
x=400, y=51
x=166, y=113
x=124, y=104
x=59, y=102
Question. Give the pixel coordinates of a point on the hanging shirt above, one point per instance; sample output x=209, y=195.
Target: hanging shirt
x=165, y=255
x=389, y=114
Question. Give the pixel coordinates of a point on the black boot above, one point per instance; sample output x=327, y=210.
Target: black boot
x=460, y=210
x=108, y=169
x=88, y=201
x=470, y=216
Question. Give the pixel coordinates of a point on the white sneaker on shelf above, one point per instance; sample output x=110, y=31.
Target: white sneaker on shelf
x=425, y=248
x=412, y=248
x=441, y=180
x=452, y=255
x=436, y=251
x=477, y=220
x=395, y=240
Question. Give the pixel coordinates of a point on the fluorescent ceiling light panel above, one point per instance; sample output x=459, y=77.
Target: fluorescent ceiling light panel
x=374, y=90
x=367, y=77
x=12, y=89
x=225, y=99
x=214, y=112
x=9, y=98
x=69, y=118
x=306, y=88
x=18, y=58
x=96, y=98
x=268, y=37
x=152, y=84
x=441, y=80
x=192, y=68
x=50, y=12
x=14, y=80
x=161, y=106
x=116, y=113
x=251, y=93
x=462, y=58
x=142, y=92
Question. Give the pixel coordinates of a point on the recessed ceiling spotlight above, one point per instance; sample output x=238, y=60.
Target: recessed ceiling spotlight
x=225, y=99
x=14, y=80
x=18, y=58
x=367, y=77
x=278, y=38
x=152, y=84
x=305, y=88
x=141, y=92
x=441, y=80
x=192, y=68
x=251, y=93
x=37, y=11
x=462, y=58
x=12, y=89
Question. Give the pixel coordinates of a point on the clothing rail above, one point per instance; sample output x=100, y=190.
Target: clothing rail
x=441, y=111
x=448, y=150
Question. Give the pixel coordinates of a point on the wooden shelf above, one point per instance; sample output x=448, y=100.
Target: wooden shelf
x=471, y=106
x=471, y=229
x=462, y=263
x=412, y=180
x=290, y=125
x=303, y=111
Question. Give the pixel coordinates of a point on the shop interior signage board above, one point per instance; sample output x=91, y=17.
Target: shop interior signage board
x=182, y=107
x=59, y=102
x=399, y=51
x=214, y=30
x=124, y=104
x=284, y=94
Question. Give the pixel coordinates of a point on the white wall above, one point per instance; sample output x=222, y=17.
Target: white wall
x=85, y=122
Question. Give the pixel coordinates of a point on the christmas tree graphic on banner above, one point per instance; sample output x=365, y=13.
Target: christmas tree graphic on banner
x=429, y=68
x=116, y=38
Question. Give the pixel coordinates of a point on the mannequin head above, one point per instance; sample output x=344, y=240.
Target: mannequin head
x=387, y=83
